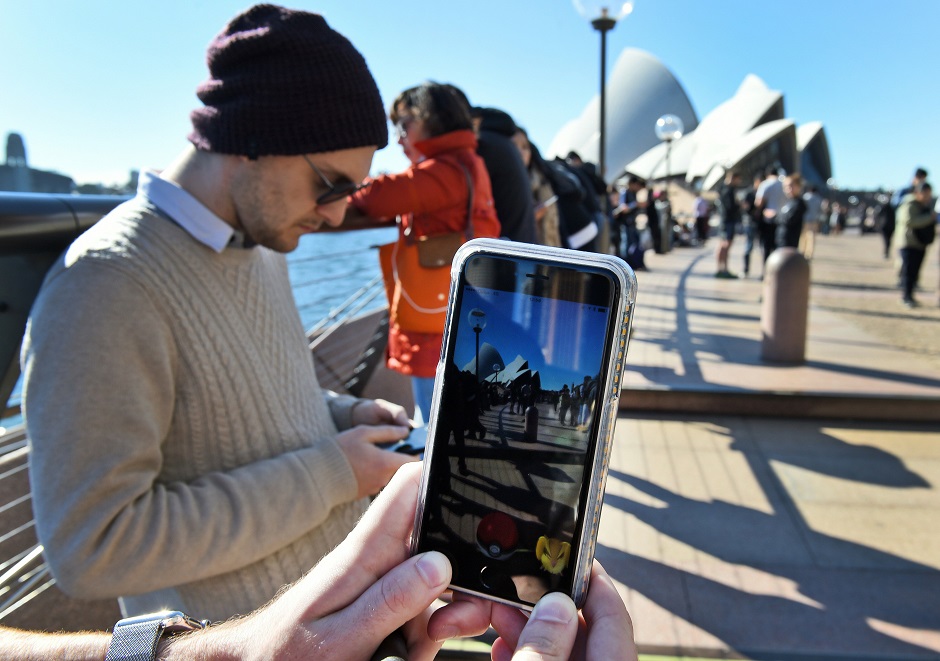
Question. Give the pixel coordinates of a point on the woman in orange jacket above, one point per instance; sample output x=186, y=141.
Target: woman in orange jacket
x=431, y=198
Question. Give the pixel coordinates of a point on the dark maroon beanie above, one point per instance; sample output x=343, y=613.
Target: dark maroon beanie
x=282, y=83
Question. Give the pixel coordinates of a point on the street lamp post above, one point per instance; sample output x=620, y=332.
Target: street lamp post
x=603, y=15
x=477, y=319
x=668, y=129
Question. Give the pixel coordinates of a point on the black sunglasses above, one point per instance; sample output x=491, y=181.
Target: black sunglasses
x=334, y=193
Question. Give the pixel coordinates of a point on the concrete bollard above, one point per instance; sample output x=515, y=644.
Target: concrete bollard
x=531, y=429
x=785, y=307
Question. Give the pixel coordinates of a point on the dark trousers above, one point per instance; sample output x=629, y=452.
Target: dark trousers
x=623, y=234
x=750, y=234
x=887, y=233
x=911, y=261
x=767, y=232
x=701, y=228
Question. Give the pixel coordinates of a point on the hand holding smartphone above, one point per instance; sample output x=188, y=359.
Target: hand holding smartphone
x=523, y=413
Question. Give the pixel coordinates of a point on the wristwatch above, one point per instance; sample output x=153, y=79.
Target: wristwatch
x=136, y=638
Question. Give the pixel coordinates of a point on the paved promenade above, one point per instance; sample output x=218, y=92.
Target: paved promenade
x=780, y=537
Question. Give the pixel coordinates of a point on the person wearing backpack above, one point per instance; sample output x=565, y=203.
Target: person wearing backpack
x=595, y=198
x=916, y=229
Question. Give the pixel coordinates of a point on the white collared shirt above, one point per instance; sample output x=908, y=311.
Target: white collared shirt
x=187, y=212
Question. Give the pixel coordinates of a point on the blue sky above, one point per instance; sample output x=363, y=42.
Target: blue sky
x=98, y=88
x=563, y=341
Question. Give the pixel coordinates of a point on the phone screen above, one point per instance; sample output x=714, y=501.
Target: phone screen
x=517, y=424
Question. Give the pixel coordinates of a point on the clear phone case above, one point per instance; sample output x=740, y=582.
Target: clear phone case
x=581, y=554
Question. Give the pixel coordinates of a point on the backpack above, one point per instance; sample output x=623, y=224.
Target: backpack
x=577, y=223
x=926, y=234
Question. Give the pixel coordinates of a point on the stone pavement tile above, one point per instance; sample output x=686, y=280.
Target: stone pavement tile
x=839, y=625
x=834, y=437
x=914, y=442
x=902, y=539
x=868, y=478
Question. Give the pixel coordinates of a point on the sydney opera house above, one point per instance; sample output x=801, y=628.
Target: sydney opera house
x=749, y=132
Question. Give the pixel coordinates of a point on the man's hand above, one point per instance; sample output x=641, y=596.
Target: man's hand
x=603, y=631
x=378, y=412
x=372, y=465
x=351, y=601
x=555, y=630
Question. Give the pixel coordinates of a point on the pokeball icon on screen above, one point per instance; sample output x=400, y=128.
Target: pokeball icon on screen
x=498, y=534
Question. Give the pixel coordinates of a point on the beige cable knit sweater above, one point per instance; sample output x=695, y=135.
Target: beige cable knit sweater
x=182, y=453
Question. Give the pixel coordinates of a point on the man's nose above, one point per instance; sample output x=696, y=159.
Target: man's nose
x=334, y=213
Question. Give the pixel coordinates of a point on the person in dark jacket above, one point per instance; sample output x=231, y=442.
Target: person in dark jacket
x=508, y=174
x=912, y=236
x=729, y=213
x=790, y=218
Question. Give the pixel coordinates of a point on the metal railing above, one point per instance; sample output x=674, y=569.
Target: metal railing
x=25, y=574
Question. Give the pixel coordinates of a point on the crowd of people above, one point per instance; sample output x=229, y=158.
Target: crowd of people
x=776, y=212
x=182, y=451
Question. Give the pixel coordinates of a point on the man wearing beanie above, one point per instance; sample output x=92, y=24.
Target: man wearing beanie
x=182, y=453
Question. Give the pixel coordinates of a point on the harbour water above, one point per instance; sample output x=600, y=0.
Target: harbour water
x=326, y=269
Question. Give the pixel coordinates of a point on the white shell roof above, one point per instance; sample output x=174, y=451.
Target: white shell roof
x=640, y=90
x=805, y=133
x=721, y=129
x=745, y=146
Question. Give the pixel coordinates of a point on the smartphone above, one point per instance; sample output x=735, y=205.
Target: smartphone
x=526, y=396
x=412, y=444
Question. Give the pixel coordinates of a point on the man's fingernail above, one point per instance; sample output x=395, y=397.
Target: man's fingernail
x=554, y=607
x=433, y=568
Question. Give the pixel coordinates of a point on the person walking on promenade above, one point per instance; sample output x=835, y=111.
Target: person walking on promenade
x=432, y=198
x=791, y=216
x=885, y=222
x=653, y=220
x=916, y=229
x=770, y=198
x=813, y=201
x=576, y=396
x=564, y=403
x=702, y=210
x=920, y=176
x=625, y=216
x=182, y=452
x=837, y=219
x=751, y=218
x=729, y=212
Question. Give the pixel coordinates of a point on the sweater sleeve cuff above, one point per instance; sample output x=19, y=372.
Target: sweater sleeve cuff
x=341, y=407
x=332, y=473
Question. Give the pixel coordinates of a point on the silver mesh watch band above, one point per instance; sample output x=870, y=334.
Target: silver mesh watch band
x=136, y=638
